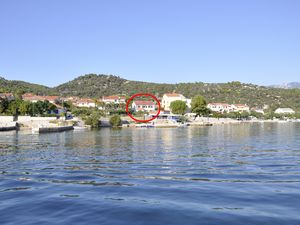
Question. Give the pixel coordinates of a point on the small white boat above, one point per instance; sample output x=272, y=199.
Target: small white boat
x=144, y=125
x=79, y=128
x=182, y=125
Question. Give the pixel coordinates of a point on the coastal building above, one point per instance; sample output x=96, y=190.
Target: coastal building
x=146, y=106
x=163, y=116
x=7, y=96
x=258, y=110
x=30, y=97
x=227, y=108
x=51, y=99
x=35, y=98
x=220, y=107
x=85, y=102
x=240, y=108
x=115, y=99
x=72, y=99
x=168, y=98
x=284, y=111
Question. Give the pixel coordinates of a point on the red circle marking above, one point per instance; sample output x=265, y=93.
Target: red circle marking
x=142, y=94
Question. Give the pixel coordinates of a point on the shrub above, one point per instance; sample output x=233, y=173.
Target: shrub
x=115, y=121
x=93, y=119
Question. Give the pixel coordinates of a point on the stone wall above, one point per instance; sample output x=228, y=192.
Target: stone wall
x=25, y=119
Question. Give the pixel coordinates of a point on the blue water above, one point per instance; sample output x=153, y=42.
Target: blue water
x=227, y=174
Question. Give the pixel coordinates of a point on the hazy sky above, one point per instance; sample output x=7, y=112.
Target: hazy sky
x=50, y=42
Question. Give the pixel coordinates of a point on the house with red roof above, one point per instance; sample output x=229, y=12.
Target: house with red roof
x=240, y=108
x=35, y=98
x=226, y=108
x=8, y=96
x=220, y=107
x=85, y=102
x=114, y=99
x=143, y=105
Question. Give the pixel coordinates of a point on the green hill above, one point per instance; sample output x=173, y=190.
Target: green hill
x=21, y=86
x=95, y=86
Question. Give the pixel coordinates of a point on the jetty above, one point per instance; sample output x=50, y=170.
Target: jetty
x=52, y=129
x=8, y=126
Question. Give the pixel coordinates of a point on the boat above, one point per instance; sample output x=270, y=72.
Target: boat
x=144, y=125
x=80, y=128
x=182, y=125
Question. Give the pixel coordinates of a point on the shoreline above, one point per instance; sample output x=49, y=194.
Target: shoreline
x=35, y=124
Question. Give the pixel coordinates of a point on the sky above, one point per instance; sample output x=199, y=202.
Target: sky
x=165, y=41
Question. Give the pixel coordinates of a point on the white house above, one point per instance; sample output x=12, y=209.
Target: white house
x=240, y=108
x=258, y=110
x=220, y=107
x=284, y=111
x=85, y=102
x=143, y=106
x=72, y=99
x=226, y=108
x=115, y=99
x=168, y=98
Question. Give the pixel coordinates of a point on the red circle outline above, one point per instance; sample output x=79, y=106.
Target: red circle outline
x=142, y=94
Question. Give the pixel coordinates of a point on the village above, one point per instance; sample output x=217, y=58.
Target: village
x=175, y=111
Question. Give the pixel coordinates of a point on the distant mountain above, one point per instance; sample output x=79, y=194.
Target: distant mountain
x=96, y=86
x=290, y=85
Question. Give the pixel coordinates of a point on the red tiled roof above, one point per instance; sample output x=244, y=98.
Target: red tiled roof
x=50, y=98
x=86, y=100
x=30, y=96
x=113, y=97
x=144, y=103
x=222, y=104
x=240, y=105
x=7, y=94
x=173, y=94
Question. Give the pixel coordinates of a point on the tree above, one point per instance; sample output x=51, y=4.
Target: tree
x=67, y=105
x=115, y=121
x=257, y=115
x=93, y=119
x=198, y=106
x=178, y=107
x=24, y=107
x=3, y=105
x=244, y=115
x=18, y=94
x=13, y=107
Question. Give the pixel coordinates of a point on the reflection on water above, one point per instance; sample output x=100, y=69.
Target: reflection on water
x=226, y=174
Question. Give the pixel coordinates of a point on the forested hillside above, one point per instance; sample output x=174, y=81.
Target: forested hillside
x=95, y=86
x=21, y=86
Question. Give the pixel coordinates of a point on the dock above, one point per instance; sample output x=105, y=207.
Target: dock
x=52, y=129
x=8, y=126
